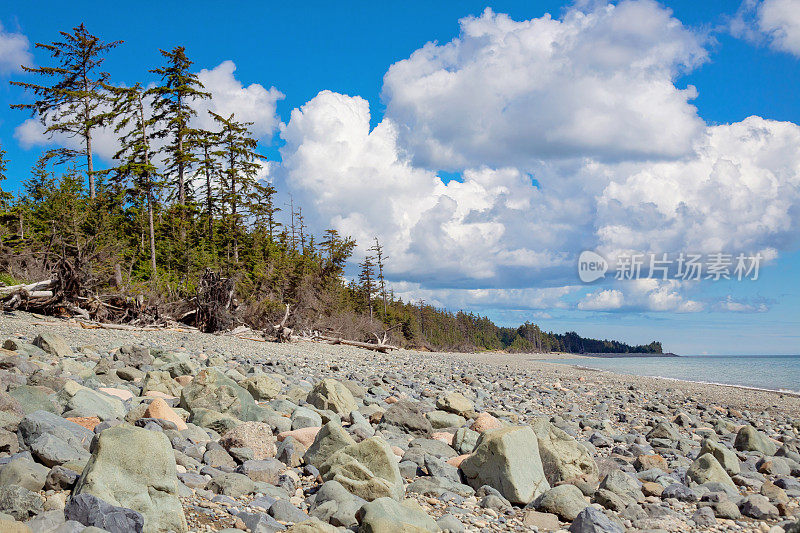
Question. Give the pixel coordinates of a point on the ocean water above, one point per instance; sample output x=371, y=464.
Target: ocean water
x=773, y=372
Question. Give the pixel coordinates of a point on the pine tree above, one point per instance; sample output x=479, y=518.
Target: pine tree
x=5, y=197
x=237, y=149
x=367, y=278
x=135, y=155
x=74, y=103
x=379, y=259
x=172, y=112
x=264, y=208
x=210, y=168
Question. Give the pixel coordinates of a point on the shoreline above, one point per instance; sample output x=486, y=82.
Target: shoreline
x=543, y=367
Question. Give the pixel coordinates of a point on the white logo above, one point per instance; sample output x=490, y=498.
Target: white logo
x=591, y=266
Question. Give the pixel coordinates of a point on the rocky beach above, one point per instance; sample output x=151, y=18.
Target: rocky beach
x=158, y=431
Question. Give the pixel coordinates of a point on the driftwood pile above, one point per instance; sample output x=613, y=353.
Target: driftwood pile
x=68, y=294
x=380, y=346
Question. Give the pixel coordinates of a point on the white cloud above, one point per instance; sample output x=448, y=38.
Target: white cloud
x=14, y=51
x=731, y=304
x=517, y=299
x=739, y=192
x=253, y=103
x=603, y=300
x=775, y=21
x=359, y=182
x=592, y=84
x=642, y=295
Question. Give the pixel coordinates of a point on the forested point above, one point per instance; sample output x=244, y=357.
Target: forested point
x=183, y=205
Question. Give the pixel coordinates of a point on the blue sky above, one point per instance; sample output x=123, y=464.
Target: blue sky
x=396, y=117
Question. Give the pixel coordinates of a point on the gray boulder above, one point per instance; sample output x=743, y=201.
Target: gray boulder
x=330, y=439
x=386, y=515
x=407, y=417
x=566, y=501
x=508, y=460
x=135, y=468
x=20, y=502
x=332, y=395
x=92, y=511
x=749, y=439
x=592, y=520
x=563, y=458
x=367, y=469
x=54, y=440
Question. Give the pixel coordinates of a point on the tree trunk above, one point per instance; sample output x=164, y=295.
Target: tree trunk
x=181, y=185
x=89, y=164
x=234, y=225
x=152, y=234
x=209, y=205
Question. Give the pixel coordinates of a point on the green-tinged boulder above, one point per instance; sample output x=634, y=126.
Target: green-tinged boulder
x=53, y=344
x=508, y=460
x=385, y=515
x=456, y=403
x=332, y=395
x=749, y=439
x=211, y=389
x=135, y=468
x=161, y=381
x=210, y=419
x=566, y=501
x=665, y=431
x=312, y=525
x=25, y=473
x=82, y=401
x=330, y=439
x=367, y=469
x=563, y=458
x=262, y=387
x=443, y=419
x=706, y=469
x=727, y=458
x=465, y=440
x=35, y=398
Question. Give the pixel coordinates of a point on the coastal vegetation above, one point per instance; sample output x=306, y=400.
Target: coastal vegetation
x=180, y=201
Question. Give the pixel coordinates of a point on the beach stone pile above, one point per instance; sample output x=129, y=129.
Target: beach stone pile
x=210, y=434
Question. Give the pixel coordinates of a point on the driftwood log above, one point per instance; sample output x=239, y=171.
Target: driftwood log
x=381, y=346
x=282, y=332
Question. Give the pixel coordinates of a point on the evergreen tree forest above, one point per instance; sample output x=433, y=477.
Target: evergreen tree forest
x=179, y=201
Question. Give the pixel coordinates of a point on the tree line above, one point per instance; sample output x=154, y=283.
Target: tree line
x=179, y=199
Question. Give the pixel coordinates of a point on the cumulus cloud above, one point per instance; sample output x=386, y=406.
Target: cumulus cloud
x=775, y=21
x=596, y=83
x=359, y=182
x=14, y=51
x=642, y=295
x=738, y=192
x=253, y=103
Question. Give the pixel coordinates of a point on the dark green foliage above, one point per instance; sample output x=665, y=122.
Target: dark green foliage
x=73, y=101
